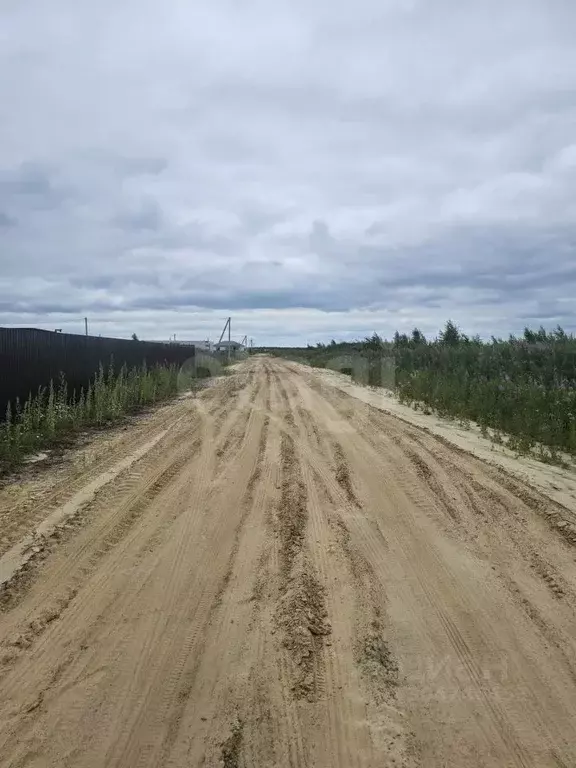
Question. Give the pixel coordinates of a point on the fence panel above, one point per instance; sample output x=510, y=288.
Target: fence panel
x=31, y=358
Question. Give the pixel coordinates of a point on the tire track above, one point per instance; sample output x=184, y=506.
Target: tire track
x=112, y=528
x=301, y=612
x=373, y=445
x=161, y=723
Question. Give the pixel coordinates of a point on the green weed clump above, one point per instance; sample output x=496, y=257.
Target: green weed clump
x=53, y=414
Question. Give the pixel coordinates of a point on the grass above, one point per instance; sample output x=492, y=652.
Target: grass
x=54, y=415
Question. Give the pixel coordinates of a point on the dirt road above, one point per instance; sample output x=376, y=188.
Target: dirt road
x=273, y=573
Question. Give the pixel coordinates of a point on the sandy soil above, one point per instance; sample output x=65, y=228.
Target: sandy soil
x=274, y=573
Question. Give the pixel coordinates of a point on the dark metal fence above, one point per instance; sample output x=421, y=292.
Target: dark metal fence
x=31, y=358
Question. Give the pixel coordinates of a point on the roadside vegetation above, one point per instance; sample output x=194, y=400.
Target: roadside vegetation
x=520, y=390
x=54, y=415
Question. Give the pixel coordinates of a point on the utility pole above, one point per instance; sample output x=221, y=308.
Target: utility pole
x=224, y=331
x=86, y=325
x=229, y=326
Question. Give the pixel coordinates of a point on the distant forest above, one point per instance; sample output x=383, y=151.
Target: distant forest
x=523, y=386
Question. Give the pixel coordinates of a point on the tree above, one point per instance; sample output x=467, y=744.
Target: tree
x=529, y=336
x=418, y=337
x=450, y=336
x=400, y=339
x=373, y=342
x=560, y=333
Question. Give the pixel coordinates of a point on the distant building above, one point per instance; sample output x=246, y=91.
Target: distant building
x=204, y=344
x=235, y=346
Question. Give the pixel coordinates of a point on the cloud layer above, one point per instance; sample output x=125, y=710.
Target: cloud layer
x=315, y=169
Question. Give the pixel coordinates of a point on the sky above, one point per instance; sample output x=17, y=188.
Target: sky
x=316, y=169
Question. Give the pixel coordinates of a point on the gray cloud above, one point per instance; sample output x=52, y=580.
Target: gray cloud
x=140, y=166
x=146, y=215
x=315, y=168
x=30, y=186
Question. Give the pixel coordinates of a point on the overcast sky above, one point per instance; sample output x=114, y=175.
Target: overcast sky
x=316, y=168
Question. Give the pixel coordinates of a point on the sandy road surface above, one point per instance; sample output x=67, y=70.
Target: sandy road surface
x=280, y=575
